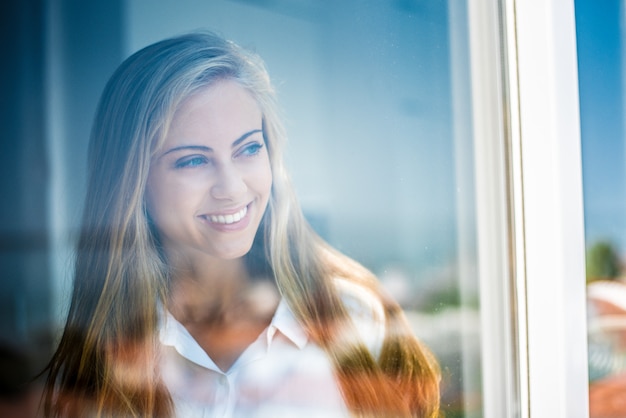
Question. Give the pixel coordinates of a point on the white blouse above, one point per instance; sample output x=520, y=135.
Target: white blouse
x=281, y=374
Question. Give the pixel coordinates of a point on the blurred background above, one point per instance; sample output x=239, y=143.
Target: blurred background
x=601, y=39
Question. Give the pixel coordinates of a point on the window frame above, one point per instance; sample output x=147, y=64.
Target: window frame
x=529, y=208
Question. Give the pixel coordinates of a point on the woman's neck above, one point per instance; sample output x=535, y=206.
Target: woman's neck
x=221, y=306
x=216, y=291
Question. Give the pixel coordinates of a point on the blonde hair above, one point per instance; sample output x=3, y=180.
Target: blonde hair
x=105, y=362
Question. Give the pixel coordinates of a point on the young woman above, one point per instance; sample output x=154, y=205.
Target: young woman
x=199, y=289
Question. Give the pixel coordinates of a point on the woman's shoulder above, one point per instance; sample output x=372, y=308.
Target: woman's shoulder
x=366, y=311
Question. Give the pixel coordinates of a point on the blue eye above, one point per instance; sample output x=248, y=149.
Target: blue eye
x=193, y=161
x=251, y=149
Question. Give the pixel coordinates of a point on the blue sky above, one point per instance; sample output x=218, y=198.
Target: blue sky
x=599, y=37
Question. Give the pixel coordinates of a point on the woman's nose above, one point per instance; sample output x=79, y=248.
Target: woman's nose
x=229, y=184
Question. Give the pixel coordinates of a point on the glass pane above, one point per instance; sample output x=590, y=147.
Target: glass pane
x=377, y=103
x=601, y=33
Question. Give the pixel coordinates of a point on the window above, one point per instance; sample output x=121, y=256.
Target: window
x=436, y=142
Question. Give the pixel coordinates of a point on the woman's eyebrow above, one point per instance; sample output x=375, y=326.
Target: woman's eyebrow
x=187, y=147
x=244, y=136
x=209, y=149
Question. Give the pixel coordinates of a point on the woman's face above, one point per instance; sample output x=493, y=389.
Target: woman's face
x=210, y=182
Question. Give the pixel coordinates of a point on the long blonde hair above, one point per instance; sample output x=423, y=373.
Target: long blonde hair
x=106, y=358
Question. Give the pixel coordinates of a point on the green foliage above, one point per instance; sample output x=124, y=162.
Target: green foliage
x=602, y=261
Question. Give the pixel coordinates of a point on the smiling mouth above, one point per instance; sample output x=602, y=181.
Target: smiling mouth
x=230, y=218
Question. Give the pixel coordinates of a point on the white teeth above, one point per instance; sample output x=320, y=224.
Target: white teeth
x=229, y=219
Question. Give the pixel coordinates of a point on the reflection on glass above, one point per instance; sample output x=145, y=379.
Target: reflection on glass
x=376, y=99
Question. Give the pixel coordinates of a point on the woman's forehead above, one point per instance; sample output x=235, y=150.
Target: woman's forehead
x=223, y=108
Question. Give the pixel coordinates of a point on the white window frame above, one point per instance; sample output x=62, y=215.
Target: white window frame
x=529, y=208
x=550, y=156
